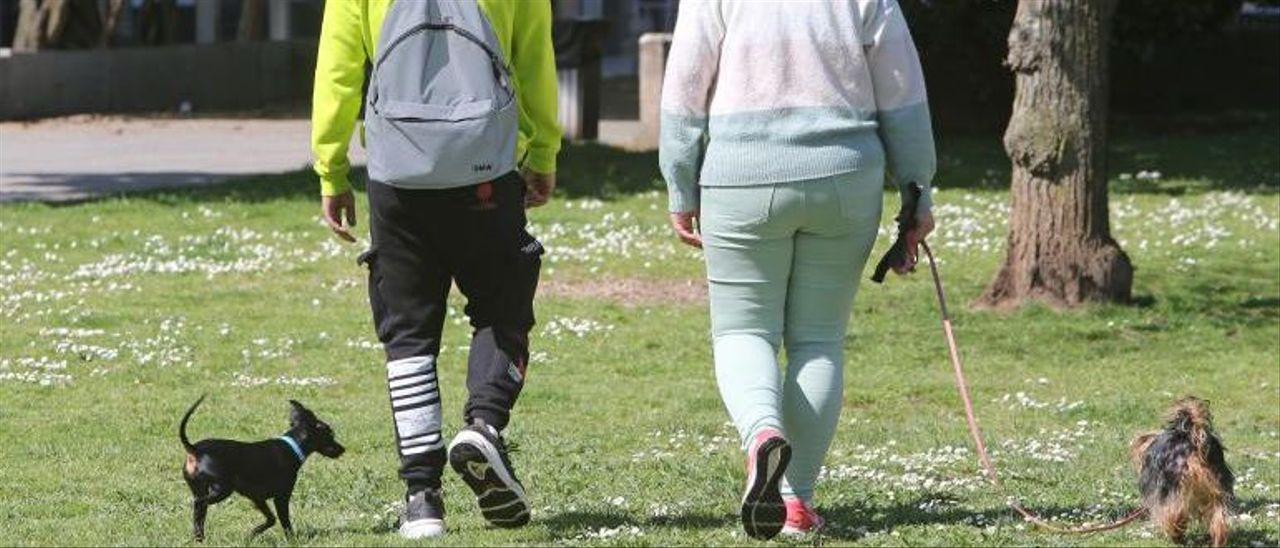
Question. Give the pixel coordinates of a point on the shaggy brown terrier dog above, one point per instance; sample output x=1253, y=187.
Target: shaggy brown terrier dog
x=1183, y=474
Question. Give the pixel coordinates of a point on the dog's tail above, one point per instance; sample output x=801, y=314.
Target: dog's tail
x=182, y=427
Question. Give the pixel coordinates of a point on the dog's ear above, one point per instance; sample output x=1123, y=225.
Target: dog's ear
x=298, y=414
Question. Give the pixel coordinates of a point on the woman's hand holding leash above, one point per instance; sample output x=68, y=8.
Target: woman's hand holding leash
x=915, y=237
x=912, y=230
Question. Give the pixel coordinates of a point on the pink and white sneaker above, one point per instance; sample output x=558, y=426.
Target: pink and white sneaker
x=802, y=519
x=763, y=512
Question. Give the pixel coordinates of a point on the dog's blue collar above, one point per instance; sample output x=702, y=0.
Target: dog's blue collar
x=297, y=449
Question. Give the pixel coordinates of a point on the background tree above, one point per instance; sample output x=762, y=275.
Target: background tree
x=1060, y=250
x=158, y=22
x=57, y=24
x=114, y=9
x=963, y=44
x=253, y=21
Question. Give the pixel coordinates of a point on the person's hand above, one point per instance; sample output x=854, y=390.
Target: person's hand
x=335, y=209
x=924, y=227
x=685, y=225
x=540, y=186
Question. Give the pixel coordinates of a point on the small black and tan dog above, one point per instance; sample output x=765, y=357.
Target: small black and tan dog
x=259, y=471
x=1183, y=474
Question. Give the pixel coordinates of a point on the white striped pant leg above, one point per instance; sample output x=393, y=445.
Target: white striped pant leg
x=415, y=405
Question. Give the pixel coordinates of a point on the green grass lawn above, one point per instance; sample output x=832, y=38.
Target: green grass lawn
x=118, y=313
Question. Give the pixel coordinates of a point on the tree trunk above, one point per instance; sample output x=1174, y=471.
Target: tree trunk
x=56, y=24
x=253, y=21
x=28, y=36
x=114, y=8
x=1060, y=249
x=158, y=22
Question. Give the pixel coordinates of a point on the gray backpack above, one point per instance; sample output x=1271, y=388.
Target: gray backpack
x=441, y=111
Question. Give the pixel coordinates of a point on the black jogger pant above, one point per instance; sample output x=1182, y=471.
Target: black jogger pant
x=424, y=241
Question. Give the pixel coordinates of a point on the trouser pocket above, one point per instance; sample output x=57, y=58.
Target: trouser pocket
x=524, y=278
x=377, y=303
x=736, y=208
x=861, y=197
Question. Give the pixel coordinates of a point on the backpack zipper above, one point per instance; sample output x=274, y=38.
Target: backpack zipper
x=500, y=71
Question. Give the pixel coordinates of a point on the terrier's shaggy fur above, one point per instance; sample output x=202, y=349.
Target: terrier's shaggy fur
x=1183, y=475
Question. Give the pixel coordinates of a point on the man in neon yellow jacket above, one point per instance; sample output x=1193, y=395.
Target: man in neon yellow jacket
x=423, y=241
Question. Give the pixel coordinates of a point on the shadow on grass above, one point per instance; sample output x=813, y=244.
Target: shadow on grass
x=324, y=535
x=1231, y=151
x=1238, y=153
x=1222, y=299
x=1249, y=533
x=570, y=523
x=854, y=521
x=848, y=522
x=859, y=519
x=1217, y=296
x=240, y=189
x=603, y=172
x=585, y=171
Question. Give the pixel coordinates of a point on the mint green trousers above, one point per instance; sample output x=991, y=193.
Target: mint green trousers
x=783, y=264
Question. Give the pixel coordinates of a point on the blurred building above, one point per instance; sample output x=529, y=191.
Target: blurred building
x=211, y=21
x=1233, y=47
x=196, y=21
x=627, y=20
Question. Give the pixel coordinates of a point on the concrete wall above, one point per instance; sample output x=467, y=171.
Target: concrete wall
x=654, y=47
x=228, y=76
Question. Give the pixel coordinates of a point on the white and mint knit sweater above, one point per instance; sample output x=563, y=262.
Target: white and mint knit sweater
x=771, y=91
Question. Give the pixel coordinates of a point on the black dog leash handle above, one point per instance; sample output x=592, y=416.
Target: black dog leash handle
x=897, y=254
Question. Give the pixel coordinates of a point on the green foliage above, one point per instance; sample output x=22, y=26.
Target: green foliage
x=1141, y=24
x=1155, y=46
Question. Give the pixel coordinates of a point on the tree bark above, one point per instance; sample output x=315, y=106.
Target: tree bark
x=253, y=21
x=1060, y=250
x=158, y=22
x=28, y=36
x=114, y=8
x=56, y=24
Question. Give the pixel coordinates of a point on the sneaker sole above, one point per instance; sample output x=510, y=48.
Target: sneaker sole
x=788, y=531
x=423, y=528
x=501, y=498
x=763, y=512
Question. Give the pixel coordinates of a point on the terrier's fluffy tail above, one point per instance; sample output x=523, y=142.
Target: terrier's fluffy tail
x=182, y=427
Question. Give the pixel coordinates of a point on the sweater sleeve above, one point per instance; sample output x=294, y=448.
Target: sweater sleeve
x=901, y=103
x=336, y=97
x=533, y=63
x=686, y=96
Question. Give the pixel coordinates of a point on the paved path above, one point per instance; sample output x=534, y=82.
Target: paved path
x=81, y=157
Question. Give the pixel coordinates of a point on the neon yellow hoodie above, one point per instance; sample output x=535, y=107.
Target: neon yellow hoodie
x=348, y=39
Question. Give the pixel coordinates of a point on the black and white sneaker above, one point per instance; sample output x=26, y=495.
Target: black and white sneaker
x=423, y=515
x=479, y=455
x=763, y=511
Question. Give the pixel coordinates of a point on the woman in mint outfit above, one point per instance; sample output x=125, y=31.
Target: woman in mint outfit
x=780, y=123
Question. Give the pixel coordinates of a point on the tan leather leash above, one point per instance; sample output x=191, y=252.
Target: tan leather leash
x=976, y=432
